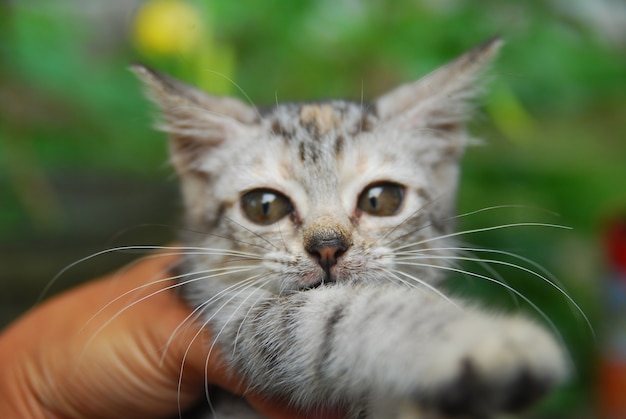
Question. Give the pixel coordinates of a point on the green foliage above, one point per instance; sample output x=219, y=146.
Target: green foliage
x=554, y=123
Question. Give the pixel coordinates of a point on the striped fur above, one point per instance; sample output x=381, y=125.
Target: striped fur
x=371, y=332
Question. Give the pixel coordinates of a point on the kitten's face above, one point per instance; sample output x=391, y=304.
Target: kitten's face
x=321, y=192
x=326, y=175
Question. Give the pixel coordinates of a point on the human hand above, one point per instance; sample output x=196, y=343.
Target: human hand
x=104, y=351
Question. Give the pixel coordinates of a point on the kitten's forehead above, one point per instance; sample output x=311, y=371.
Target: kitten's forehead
x=309, y=140
x=315, y=122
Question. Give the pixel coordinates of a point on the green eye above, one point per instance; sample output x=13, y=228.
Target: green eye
x=381, y=199
x=264, y=206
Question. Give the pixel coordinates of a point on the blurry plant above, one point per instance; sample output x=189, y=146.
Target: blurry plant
x=178, y=36
x=168, y=27
x=555, y=132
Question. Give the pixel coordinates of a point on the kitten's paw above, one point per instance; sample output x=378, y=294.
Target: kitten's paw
x=506, y=366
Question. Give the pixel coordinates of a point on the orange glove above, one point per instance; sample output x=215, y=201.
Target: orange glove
x=67, y=359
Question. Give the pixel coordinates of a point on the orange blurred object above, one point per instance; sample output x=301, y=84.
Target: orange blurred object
x=612, y=391
x=612, y=365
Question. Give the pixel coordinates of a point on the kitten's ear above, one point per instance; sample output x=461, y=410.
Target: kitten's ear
x=194, y=119
x=442, y=99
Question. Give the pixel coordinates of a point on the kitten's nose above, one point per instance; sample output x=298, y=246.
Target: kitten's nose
x=326, y=250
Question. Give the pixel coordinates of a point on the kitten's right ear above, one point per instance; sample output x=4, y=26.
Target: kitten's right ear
x=443, y=99
x=194, y=119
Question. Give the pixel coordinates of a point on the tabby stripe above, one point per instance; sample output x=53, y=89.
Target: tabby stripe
x=329, y=335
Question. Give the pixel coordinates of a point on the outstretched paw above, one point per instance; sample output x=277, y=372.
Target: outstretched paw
x=478, y=396
x=506, y=368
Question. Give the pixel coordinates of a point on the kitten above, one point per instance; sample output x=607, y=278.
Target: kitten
x=317, y=236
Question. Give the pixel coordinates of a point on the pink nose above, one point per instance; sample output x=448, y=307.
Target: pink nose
x=327, y=256
x=327, y=252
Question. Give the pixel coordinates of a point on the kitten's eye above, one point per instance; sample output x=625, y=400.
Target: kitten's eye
x=381, y=199
x=264, y=206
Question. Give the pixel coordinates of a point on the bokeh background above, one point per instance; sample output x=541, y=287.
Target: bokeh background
x=81, y=170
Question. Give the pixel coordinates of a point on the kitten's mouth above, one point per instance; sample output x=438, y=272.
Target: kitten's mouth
x=321, y=282
x=326, y=279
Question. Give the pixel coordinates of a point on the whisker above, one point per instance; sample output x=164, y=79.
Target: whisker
x=152, y=294
x=241, y=304
x=186, y=230
x=418, y=212
x=257, y=289
x=422, y=283
x=241, y=286
x=402, y=281
x=505, y=206
x=245, y=317
x=197, y=311
x=251, y=231
x=534, y=264
x=489, y=269
x=236, y=240
x=149, y=284
x=490, y=279
x=145, y=248
x=240, y=89
x=480, y=230
x=414, y=214
x=512, y=265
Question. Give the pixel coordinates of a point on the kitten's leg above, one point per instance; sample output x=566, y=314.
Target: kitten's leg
x=336, y=344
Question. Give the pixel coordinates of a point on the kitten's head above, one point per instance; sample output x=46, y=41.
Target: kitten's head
x=311, y=193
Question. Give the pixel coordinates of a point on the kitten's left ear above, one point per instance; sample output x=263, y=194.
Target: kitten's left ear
x=180, y=101
x=441, y=100
x=195, y=120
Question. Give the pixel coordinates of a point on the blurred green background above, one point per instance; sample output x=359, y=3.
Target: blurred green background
x=81, y=170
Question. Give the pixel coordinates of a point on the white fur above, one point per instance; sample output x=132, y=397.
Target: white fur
x=381, y=339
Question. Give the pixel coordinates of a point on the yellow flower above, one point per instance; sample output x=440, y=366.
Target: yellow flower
x=166, y=27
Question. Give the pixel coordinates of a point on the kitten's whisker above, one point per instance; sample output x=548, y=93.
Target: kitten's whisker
x=237, y=240
x=235, y=311
x=402, y=281
x=418, y=255
x=422, y=283
x=569, y=299
x=494, y=274
x=232, y=257
x=177, y=250
x=216, y=337
x=504, y=206
x=490, y=279
x=531, y=262
x=253, y=232
x=240, y=89
x=534, y=264
x=84, y=259
x=267, y=281
x=208, y=357
x=151, y=283
x=282, y=238
x=240, y=287
x=494, y=262
x=196, y=311
x=246, y=283
x=272, y=131
x=418, y=213
x=479, y=230
x=150, y=295
x=414, y=214
x=544, y=275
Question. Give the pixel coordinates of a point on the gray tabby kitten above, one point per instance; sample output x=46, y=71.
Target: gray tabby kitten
x=317, y=235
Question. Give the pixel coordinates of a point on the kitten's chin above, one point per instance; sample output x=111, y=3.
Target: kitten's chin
x=315, y=280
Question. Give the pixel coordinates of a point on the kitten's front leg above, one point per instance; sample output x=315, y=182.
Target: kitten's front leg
x=488, y=364
x=378, y=347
